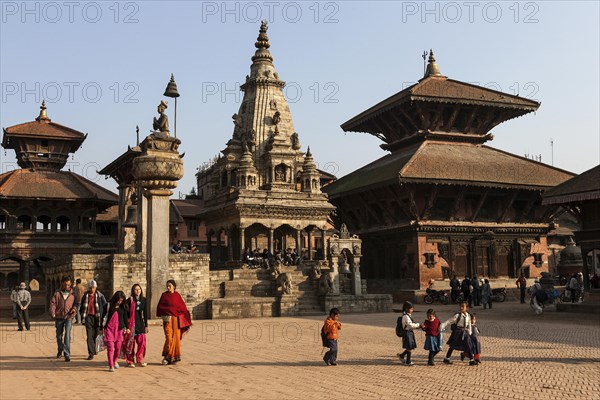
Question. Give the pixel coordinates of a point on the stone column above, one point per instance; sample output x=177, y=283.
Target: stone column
x=299, y=242
x=157, y=170
x=323, y=243
x=356, y=281
x=242, y=241
x=230, y=245
x=271, y=232
x=24, y=272
x=310, y=256
x=335, y=274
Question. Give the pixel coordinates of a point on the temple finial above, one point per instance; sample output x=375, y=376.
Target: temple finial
x=263, y=40
x=262, y=44
x=308, y=153
x=432, y=67
x=43, y=116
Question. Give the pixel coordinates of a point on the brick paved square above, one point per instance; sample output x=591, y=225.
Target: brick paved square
x=555, y=355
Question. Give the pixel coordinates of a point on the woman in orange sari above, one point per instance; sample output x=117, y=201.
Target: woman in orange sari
x=176, y=321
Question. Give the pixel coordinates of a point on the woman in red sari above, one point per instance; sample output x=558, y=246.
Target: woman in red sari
x=176, y=321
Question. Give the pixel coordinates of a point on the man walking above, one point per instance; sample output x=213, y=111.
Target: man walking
x=22, y=300
x=79, y=291
x=93, y=309
x=476, y=295
x=522, y=285
x=63, y=306
x=465, y=287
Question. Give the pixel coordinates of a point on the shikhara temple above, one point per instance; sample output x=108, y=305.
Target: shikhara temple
x=264, y=192
x=443, y=202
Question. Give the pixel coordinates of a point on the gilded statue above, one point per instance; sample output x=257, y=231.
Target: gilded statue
x=161, y=125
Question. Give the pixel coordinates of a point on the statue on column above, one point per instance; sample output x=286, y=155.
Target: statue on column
x=161, y=125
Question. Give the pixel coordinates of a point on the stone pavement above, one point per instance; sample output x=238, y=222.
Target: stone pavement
x=555, y=355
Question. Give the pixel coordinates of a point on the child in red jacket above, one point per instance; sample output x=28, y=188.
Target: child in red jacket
x=433, y=335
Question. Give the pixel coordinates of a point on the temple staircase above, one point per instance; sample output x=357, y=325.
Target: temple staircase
x=246, y=293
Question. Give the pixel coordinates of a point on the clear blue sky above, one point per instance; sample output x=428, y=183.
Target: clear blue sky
x=338, y=58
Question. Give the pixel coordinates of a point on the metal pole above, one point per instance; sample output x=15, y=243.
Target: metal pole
x=175, y=117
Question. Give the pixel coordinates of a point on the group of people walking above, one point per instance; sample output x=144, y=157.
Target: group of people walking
x=120, y=324
x=473, y=291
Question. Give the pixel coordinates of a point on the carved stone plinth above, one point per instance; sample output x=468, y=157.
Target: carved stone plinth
x=157, y=170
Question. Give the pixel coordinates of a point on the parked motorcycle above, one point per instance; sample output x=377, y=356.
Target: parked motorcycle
x=567, y=297
x=435, y=295
x=499, y=295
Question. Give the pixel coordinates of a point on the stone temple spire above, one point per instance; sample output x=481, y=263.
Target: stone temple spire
x=432, y=67
x=311, y=181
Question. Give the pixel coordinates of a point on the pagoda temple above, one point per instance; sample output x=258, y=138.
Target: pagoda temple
x=264, y=192
x=46, y=212
x=443, y=202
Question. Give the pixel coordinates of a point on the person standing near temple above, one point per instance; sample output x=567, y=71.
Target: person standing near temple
x=465, y=287
x=79, y=290
x=455, y=288
x=92, y=310
x=138, y=327
x=63, y=306
x=476, y=295
x=176, y=321
x=22, y=300
x=13, y=299
x=522, y=285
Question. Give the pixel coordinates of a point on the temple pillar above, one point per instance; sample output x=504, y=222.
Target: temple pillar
x=271, y=233
x=230, y=245
x=242, y=241
x=356, y=280
x=157, y=170
x=209, y=244
x=309, y=233
x=299, y=242
x=24, y=271
x=323, y=243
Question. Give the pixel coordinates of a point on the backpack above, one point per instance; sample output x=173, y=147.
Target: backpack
x=324, y=339
x=399, y=327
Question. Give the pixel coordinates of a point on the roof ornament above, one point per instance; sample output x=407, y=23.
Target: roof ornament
x=43, y=116
x=432, y=67
x=262, y=44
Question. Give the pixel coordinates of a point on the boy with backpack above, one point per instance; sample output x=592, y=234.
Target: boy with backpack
x=329, y=335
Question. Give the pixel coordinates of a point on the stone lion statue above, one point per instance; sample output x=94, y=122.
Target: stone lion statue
x=314, y=273
x=284, y=281
x=274, y=267
x=326, y=283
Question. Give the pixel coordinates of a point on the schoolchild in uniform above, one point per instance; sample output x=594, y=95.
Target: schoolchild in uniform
x=460, y=338
x=408, y=337
x=433, y=335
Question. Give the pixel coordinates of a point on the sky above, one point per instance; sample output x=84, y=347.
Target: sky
x=102, y=68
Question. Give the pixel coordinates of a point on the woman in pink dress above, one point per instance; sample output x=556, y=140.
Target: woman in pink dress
x=117, y=322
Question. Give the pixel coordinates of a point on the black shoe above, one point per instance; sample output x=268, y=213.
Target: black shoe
x=472, y=362
x=90, y=357
x=59, y=354
x=67, y=358
x=462, y=356
x=20, y=329
x=430, y=363
x=333, y=363
x=446, y=361
x=326, y=361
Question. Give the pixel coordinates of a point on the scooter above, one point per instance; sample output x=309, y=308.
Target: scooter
x=433, y=295
x=499, y=295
